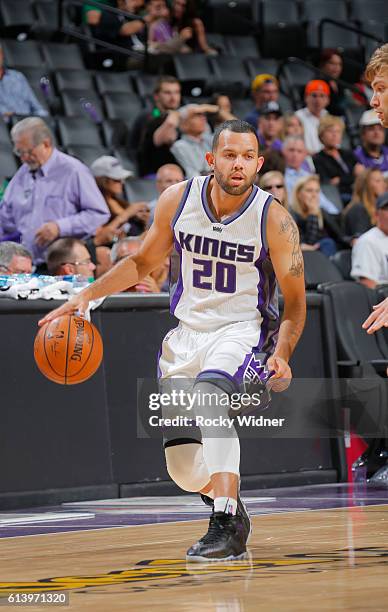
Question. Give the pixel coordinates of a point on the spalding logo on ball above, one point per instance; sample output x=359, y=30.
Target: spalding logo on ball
x=68, y=350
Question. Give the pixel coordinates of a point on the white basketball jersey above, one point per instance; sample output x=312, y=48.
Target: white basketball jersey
x=225, y=274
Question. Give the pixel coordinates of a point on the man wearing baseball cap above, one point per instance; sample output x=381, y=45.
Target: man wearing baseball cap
x=270, y=126
x=110, y=167
x=317, y=98
x=372, y=153
x=370, y=253
x=265, y=88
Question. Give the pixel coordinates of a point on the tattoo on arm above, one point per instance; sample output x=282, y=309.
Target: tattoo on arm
x=289, y=228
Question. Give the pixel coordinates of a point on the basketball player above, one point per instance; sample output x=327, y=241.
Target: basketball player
x=377, y=74
x=234, y=241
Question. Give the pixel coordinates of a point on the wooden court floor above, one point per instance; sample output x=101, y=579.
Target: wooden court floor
x=299, y=561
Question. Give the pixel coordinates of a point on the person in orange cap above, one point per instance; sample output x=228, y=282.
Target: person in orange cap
x=317, y=98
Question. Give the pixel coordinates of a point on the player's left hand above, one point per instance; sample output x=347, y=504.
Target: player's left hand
x=282, y=375
x=47, y=233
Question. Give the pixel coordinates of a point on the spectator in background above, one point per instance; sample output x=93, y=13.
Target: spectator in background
x=196, y=140
x=16, y=95
x=52, y=194
x=317, y=98
x=184, y=15
x=273, y=182
x=161, y=36
x=69, y=256
x=166, y=97
x=294, y=152
x=270, y=126
x=225, y=112
x=334, y=165
x=372, y=153
x=318, y=231
x=125, y=217
x=292, y=125
x=331, y=63
x=162, y=128
x=360, y=214
x=129, y=246
x=370, y=253
x=118, y=29
x=167, y=175
x=273, y=160
x=91, y=14
x=14, y=259
x=265, y=88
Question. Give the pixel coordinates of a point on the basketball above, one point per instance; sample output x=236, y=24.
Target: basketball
x=68, y=350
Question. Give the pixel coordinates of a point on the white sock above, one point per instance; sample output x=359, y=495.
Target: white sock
x=228, y=505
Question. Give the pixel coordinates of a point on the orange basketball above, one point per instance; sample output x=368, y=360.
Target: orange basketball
x=68, y=350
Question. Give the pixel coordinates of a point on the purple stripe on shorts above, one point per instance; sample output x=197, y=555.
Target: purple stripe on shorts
x=179, y=285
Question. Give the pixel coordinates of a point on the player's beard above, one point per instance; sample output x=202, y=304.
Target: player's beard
x=238, y=189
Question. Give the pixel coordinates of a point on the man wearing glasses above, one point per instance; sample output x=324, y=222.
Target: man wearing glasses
x=69, y=256
x=52, y=194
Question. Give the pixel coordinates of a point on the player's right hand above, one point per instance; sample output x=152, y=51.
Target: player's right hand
x=77, y=305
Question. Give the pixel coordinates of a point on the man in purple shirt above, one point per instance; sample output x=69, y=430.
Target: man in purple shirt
x=52, y=195
x=372, y=153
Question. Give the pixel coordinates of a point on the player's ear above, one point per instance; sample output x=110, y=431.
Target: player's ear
x=210, y=159
x=260, y=162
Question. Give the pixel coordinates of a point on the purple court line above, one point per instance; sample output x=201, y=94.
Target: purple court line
x=290, y=499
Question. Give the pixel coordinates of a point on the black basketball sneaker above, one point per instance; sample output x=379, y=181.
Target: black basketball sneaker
x=224, y=540
x=241, y=510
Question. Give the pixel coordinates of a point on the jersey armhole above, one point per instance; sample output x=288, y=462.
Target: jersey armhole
x=264, y=216
x=182, y=203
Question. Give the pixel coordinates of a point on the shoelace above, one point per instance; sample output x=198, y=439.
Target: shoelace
x=217, y=524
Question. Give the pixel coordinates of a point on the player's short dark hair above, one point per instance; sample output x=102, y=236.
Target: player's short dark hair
x=237, y=126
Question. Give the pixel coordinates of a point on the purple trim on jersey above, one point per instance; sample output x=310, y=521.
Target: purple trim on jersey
x=261, y=295
x=264, y=288
x=179, y=286
x=204, y=201
x=182, y=203
x=235, y=215
x=263, y=223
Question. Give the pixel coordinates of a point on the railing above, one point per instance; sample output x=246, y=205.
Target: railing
x=344, y=26
x=63, y=5
x=296, y=60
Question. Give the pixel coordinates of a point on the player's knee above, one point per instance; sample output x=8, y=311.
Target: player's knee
x=186, y=467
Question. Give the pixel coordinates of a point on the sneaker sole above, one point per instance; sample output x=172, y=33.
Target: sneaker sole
x=199, y=559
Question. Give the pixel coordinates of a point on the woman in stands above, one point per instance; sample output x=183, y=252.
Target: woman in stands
x=184, y=14
x=273, y=182
x=126, y=219
x=334, y=164
x=318, y=230
x=292, y=125
x=360, y=214
x=331, y=63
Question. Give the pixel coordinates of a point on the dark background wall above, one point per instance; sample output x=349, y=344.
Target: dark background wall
x=80, y=442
